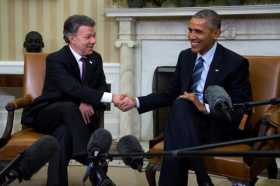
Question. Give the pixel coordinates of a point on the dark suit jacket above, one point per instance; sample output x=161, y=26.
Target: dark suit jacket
x=63, y=82
x=228, y=70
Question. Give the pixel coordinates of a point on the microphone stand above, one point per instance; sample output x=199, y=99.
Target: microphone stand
x=246, y=105
x=205, y=150
x=200, y=150
x=9, y=173
x=97, y=170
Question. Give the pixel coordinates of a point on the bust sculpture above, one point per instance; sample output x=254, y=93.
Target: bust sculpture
x=33, y=42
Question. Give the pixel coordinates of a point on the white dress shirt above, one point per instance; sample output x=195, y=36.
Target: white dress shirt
x=107, y=97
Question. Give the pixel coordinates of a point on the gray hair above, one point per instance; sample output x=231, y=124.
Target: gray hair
x=214, y=19
x=73, y=23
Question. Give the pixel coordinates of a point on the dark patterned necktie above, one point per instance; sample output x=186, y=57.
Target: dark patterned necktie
x=196, y=75
x=84, y=60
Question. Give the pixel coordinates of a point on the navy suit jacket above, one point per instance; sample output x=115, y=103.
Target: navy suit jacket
x=63, y=82
x=228, y=70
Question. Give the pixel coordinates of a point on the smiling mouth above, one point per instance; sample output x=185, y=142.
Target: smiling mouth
x=195, y=44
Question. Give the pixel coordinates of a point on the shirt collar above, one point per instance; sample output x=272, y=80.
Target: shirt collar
x=75, y=54
x=208, y=56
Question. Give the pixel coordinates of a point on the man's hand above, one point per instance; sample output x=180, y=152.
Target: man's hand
x=192, y=97
x=87, y=112
x=127, y=104
x=117, y=98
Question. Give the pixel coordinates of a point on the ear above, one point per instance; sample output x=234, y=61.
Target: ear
x=216, y=33
x=71, y=38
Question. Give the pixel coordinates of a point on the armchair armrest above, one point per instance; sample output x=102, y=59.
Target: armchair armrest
x=19, y=103
x=273, y=115
x=156, y=140
x=268, y=125
x=11, y=107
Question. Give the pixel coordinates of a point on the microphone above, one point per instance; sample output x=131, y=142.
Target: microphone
x=99, y=142
x=30, y=161
x=127, y=145
x=98, y=146
x=219, y=101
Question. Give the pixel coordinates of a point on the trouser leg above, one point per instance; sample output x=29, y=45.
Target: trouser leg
x=57, y=170
x=64, y=121
x=182, y=132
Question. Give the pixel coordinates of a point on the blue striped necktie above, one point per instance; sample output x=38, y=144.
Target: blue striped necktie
x=196, y=75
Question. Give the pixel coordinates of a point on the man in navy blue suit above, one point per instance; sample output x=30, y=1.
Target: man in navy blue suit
x=190, y=122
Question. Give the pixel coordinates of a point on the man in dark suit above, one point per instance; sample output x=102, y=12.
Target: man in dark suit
x=74, y=89
x=190, y=122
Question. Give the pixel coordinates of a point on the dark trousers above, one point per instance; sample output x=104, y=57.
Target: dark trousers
x=186, y=128
x=64, y=121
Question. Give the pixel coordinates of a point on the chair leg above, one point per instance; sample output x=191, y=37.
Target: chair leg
x=272, y=170
x=151, y=174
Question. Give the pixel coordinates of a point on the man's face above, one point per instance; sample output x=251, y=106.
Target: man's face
x=83, y=40
x=201, y=35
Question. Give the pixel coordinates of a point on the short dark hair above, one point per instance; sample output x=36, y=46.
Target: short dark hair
x=73, y=23
x=214, y=19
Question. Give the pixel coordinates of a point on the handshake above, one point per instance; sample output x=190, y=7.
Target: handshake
x=124, y=102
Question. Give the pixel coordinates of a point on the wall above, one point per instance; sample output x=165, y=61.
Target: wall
x=18, y=17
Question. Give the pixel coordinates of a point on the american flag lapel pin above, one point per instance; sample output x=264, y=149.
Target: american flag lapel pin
x=217, y=70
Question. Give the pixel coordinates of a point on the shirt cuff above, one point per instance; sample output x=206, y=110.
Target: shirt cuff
x=207, y=108
x=107, y=97
x=137, y=103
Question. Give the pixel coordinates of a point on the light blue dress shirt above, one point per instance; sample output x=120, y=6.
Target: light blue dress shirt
x=208, y=58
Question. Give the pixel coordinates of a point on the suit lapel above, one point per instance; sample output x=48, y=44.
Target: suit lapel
x=188, y=65
x=91, y=67
x=73, y=63
x=215, y=67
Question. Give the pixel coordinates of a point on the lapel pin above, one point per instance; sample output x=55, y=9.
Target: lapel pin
x=90, y=62
x=217, y=70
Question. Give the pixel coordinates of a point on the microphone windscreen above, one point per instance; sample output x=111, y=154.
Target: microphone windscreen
x=37, y=155
x=100, y=141
x=129, y=144
x=215, y=94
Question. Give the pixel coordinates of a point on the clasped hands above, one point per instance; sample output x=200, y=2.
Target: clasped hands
x=124, y=102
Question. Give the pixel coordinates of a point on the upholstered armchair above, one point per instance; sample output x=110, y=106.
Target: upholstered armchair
x=265, y=80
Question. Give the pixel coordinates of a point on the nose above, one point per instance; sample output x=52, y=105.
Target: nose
x=93, y=40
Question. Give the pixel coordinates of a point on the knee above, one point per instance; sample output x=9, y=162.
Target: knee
x=68, y=107
x=62, y=133
x=182, y=104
